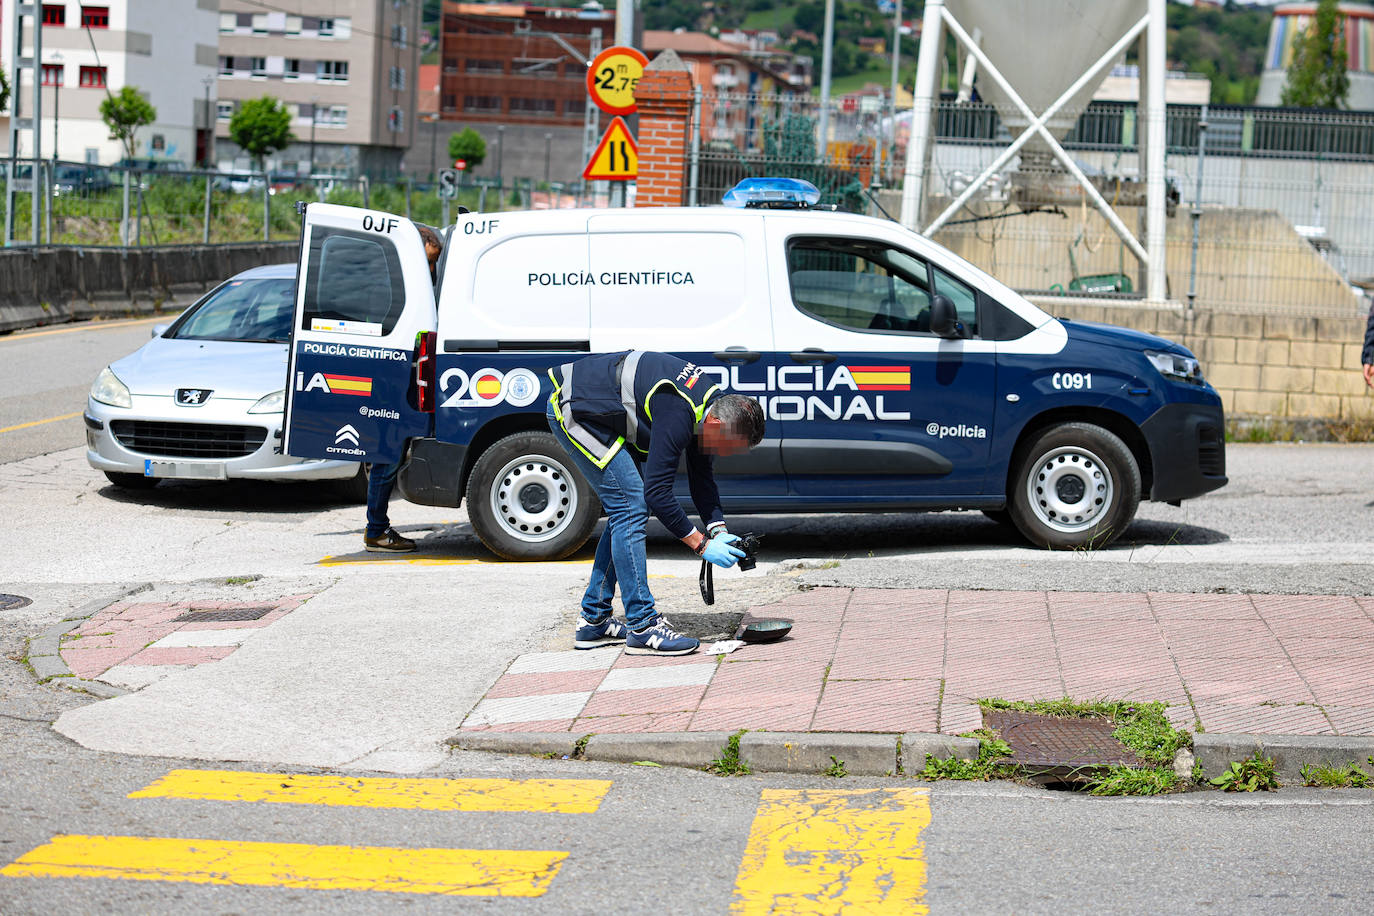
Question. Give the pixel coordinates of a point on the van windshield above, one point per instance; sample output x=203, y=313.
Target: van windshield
x=257, y=311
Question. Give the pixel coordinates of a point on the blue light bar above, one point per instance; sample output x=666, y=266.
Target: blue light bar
x=772, y=192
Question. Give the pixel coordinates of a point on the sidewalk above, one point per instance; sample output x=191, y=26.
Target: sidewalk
x=902, y=660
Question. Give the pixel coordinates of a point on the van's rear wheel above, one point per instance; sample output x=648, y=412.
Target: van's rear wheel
x=1074, y=485
x=527, y=501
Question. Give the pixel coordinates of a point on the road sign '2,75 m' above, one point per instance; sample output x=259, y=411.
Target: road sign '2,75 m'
x=612, y=77
x=616, y=157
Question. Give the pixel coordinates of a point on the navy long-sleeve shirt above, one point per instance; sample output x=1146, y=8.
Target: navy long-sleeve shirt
x=1367, y=357
x=672, y=436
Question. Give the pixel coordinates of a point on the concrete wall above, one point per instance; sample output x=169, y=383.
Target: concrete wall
x=41, y=286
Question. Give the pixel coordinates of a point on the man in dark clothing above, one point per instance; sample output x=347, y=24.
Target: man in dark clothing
x=1367, y=356
x=662, y=408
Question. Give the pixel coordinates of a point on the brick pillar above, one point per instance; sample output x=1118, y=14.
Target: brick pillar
x=664, y=100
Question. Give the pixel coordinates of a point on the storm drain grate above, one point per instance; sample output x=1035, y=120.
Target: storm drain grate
x=223, y=615
x=14, y=602
x=1052, y=745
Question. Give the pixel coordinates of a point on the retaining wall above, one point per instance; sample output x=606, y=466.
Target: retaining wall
x=41, y=286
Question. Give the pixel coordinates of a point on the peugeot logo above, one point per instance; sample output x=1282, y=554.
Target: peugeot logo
x=193, y=397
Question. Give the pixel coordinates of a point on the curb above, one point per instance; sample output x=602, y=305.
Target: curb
x=884, y=754
x=45, y=658
x=861, y=753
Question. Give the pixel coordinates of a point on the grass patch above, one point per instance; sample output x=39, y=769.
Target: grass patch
x=729, y=763
x=241, y=580
x=1349, y=776
x=836, y=768
x=1253, y=774
x=580, y=748
x=991, y=762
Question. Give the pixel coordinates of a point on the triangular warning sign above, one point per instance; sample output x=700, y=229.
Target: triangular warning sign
x=616, y=157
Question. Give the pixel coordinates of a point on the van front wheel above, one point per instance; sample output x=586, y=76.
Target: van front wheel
x=1074, y=485
x=527, y=501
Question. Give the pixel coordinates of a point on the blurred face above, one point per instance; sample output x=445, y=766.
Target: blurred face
x=715, y=440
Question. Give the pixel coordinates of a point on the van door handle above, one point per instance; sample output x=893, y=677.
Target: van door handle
x=813, y=355
x=737, y=355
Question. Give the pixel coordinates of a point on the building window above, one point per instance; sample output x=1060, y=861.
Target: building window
x=575, y=107
x=228, y=22
x=481, y=103
x=260, y=68
x=95, y=17
x=54, y=14
x=398, y=36
x=473, y=65
x=226, y=66
x=293, y=69
x=450, y=102
x=259, y=23
x=224, y=111
x=326, y=28
x=537, y=107
x=334, y=115
x=93, y=77
x=293, y=26
x=396, y=120
x=544, y=68
x=398, y=79
x=450, y=65
x=331, y=71
x=53, y=75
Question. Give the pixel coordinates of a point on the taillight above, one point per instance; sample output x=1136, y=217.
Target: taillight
x=424, y=370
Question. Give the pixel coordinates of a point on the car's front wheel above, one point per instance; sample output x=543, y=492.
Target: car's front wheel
x=527, y=501
x=131, y=481
x=1074, y=485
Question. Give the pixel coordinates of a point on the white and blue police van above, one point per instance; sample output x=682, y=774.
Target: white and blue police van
x=895, y=376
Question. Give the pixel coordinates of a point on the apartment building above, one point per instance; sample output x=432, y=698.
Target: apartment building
x=163, y=48
x=347, y=71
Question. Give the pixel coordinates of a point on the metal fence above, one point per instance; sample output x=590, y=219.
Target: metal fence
x=92, y=206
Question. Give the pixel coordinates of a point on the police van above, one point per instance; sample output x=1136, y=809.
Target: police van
x=894, y=375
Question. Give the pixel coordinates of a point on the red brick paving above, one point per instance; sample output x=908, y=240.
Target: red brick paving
x=892, y=660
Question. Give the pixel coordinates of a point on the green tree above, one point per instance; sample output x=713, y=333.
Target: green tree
x=124, y=112
x=1317, y=78
x=261, y=126
x=467, y=145
x=4, y=90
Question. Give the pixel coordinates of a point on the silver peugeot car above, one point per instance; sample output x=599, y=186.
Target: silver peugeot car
x=203, y=399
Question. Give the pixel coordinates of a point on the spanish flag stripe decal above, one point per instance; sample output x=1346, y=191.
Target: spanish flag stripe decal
x=349, y=384
x=881, y=378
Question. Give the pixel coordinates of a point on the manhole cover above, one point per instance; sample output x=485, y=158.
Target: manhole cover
x=1055, y=746
x=14, y=602
x=224, y=615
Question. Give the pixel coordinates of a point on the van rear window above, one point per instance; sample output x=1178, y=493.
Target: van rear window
x=353, y=277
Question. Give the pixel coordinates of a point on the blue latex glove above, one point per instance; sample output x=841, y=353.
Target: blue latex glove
x=719, y=551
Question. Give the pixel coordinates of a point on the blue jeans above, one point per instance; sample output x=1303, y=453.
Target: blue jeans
x=620, y=552
x=381, y=478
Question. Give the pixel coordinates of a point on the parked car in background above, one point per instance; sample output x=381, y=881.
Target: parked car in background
x=151, y=164
x=80, y=180
x=203, y=399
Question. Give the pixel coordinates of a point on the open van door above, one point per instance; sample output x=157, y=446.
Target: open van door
x=363, y=293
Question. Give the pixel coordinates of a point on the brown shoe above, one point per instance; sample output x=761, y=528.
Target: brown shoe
x=388, y=542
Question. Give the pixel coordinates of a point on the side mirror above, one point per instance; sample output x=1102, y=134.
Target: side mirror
x=160, y=329
x=944, y=318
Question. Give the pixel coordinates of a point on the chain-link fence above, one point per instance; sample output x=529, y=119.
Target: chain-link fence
x=92, y=206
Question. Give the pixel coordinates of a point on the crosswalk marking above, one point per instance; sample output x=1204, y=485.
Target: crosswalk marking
x=466, y=872
x=821, y=851
x=542, y=796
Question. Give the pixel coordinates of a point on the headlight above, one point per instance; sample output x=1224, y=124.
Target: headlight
x=1176, y=366
x=273, y=403
x=108, y=389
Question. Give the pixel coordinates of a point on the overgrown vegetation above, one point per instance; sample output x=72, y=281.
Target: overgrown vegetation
x=729, y=763
x=991, y=762
x=1253, y=774
x=1349, y=776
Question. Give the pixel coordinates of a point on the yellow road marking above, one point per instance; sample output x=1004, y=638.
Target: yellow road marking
x=468, y=872
x=820, y=851
x=432, y=559
x=555, y=796
x=65, y=416
x=89, y=326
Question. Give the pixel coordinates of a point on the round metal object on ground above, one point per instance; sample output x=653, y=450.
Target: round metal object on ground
x=13, y=602
x=533, y=498
x=766, y=630
x=1069, y=488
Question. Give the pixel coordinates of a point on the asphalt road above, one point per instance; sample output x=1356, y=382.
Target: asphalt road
x=1297, y=517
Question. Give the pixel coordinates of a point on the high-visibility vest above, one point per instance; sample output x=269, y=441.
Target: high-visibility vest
x=602, y=401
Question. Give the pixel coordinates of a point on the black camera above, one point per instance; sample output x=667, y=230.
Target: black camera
x=749, y=543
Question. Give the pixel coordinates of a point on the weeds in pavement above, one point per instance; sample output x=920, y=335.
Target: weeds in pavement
x=580, y=748
x=836, y=768
x=1253, y=774
x=1120, y=780
x=729, y=762
x=241, y=580
x=1349, y=776
x=989, y=765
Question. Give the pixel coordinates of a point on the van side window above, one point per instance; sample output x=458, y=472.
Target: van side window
x=860, y=284
x=353, y=277
x=965, y=299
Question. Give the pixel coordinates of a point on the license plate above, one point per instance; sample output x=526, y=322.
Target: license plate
x=186, y=470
